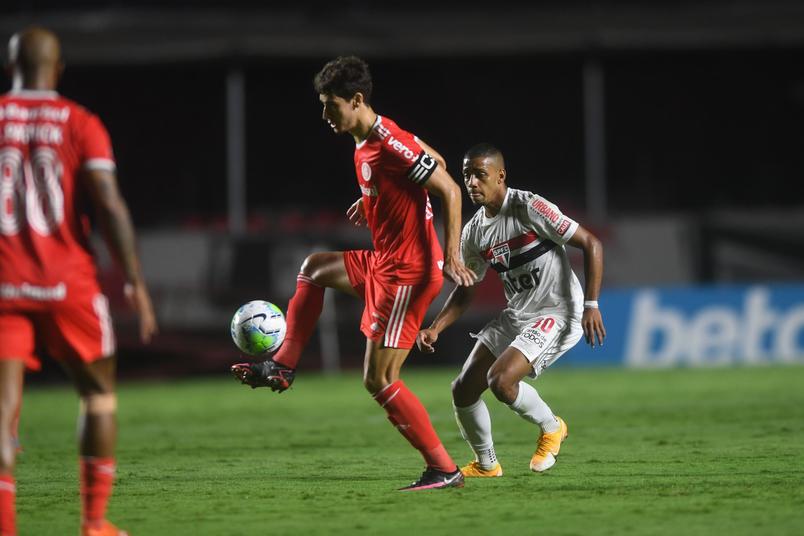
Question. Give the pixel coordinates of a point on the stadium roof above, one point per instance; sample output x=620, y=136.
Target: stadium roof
x=115, y=32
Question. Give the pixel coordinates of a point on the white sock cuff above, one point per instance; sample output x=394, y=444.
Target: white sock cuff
x=468, y=409
x=519, y=396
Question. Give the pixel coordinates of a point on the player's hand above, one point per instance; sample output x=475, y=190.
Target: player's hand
x=592, y=323
x=426, y=339
x=140, y=300
x=357, y=214
x=458, y=273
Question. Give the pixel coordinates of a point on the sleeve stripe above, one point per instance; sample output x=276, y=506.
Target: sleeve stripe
x=104, y=164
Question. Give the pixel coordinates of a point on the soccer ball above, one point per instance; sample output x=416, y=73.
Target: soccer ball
x=258, y=327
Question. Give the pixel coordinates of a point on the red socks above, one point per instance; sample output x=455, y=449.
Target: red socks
x=303, y=312
x=411, y=419
x=8, y=493
x=97, y=477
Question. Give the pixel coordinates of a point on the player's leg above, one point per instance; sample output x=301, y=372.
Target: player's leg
x=472, y=414
x=537, y=346
x=11, y=380
x=408, y=415
x=318, y=271
x=97, y=438
x=79, y=334
x=17, y=339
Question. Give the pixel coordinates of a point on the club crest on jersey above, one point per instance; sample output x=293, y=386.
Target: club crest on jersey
x=365, y=170
x=501, y=254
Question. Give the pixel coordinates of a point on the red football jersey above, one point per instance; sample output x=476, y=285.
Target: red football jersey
x=391, y=169
x=45, y=140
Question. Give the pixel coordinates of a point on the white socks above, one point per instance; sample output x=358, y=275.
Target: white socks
x=532, y=408
x=475, y=424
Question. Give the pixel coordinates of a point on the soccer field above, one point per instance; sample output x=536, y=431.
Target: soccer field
x=665, y=452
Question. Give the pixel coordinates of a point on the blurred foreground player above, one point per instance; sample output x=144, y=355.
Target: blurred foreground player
x=398, y=279
x=522, y=236
x=55, y=162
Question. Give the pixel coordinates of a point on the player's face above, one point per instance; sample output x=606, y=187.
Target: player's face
x=482, y=179
x=338, y=112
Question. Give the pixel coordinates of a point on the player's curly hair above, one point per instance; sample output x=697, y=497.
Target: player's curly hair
x=343, y=77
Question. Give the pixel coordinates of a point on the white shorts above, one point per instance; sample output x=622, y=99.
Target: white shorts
x=542, y=338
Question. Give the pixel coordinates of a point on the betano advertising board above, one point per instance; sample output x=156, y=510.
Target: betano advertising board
x=699, y=326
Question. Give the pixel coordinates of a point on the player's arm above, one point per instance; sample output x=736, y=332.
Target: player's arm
x=432, y=152
x=115, y=223
x=592, y=321
x=441, y=185
x=457, y=303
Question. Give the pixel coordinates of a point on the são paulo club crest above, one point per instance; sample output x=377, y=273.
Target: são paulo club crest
x=365, y=170
x=501, y=254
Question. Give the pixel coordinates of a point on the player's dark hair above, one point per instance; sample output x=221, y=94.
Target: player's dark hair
x=483, y=150
x=343, y=77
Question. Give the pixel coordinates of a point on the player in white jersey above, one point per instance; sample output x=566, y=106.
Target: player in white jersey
x=521, y=236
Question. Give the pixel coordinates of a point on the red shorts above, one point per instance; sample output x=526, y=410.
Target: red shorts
x=78, y=329
x=394, y=309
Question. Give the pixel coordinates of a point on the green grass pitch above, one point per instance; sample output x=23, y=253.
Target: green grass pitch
x=649, y=452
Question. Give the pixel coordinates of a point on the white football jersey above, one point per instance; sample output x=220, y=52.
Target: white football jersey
x=524, y=243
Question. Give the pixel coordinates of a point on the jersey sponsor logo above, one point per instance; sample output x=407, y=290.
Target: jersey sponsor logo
x=545, y=210
x=522, y=282
x=501, y=254
x=562, y=227
x=33, y=292
x=370, y=191
x=428, y=210
x=400, y=147
x=15, y=112
x=365, y=171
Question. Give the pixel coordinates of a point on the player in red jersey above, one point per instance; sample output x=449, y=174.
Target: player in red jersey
x=55, y=162
x=398, y=279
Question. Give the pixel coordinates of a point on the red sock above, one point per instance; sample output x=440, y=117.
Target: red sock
x=97, y=477
x=411, y=419
x=303, y=312
x=8, y=493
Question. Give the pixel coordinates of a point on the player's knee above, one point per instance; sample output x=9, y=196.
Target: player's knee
x=461, y=396
x=99, y=404
x=503, y=386
x=313, y=266
x=373, y=384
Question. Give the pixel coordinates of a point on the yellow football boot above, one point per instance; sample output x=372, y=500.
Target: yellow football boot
x=474, y=470
x=547, y=449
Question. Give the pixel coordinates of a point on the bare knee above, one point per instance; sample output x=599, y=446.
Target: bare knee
x=504, y=386
x=314, y=265
x=99, y=403
x=462, y=394
x=374, y=382
x=8, y=446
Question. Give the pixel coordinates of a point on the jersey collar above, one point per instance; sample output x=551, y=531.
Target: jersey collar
x=377, y=122
x=503, y=209
x=34, y=93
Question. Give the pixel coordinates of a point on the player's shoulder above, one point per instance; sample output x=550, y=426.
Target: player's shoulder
x=520, y=198
x=520, y=201
x=475, y=223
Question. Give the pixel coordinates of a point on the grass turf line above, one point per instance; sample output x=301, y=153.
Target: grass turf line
x=649, y=452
